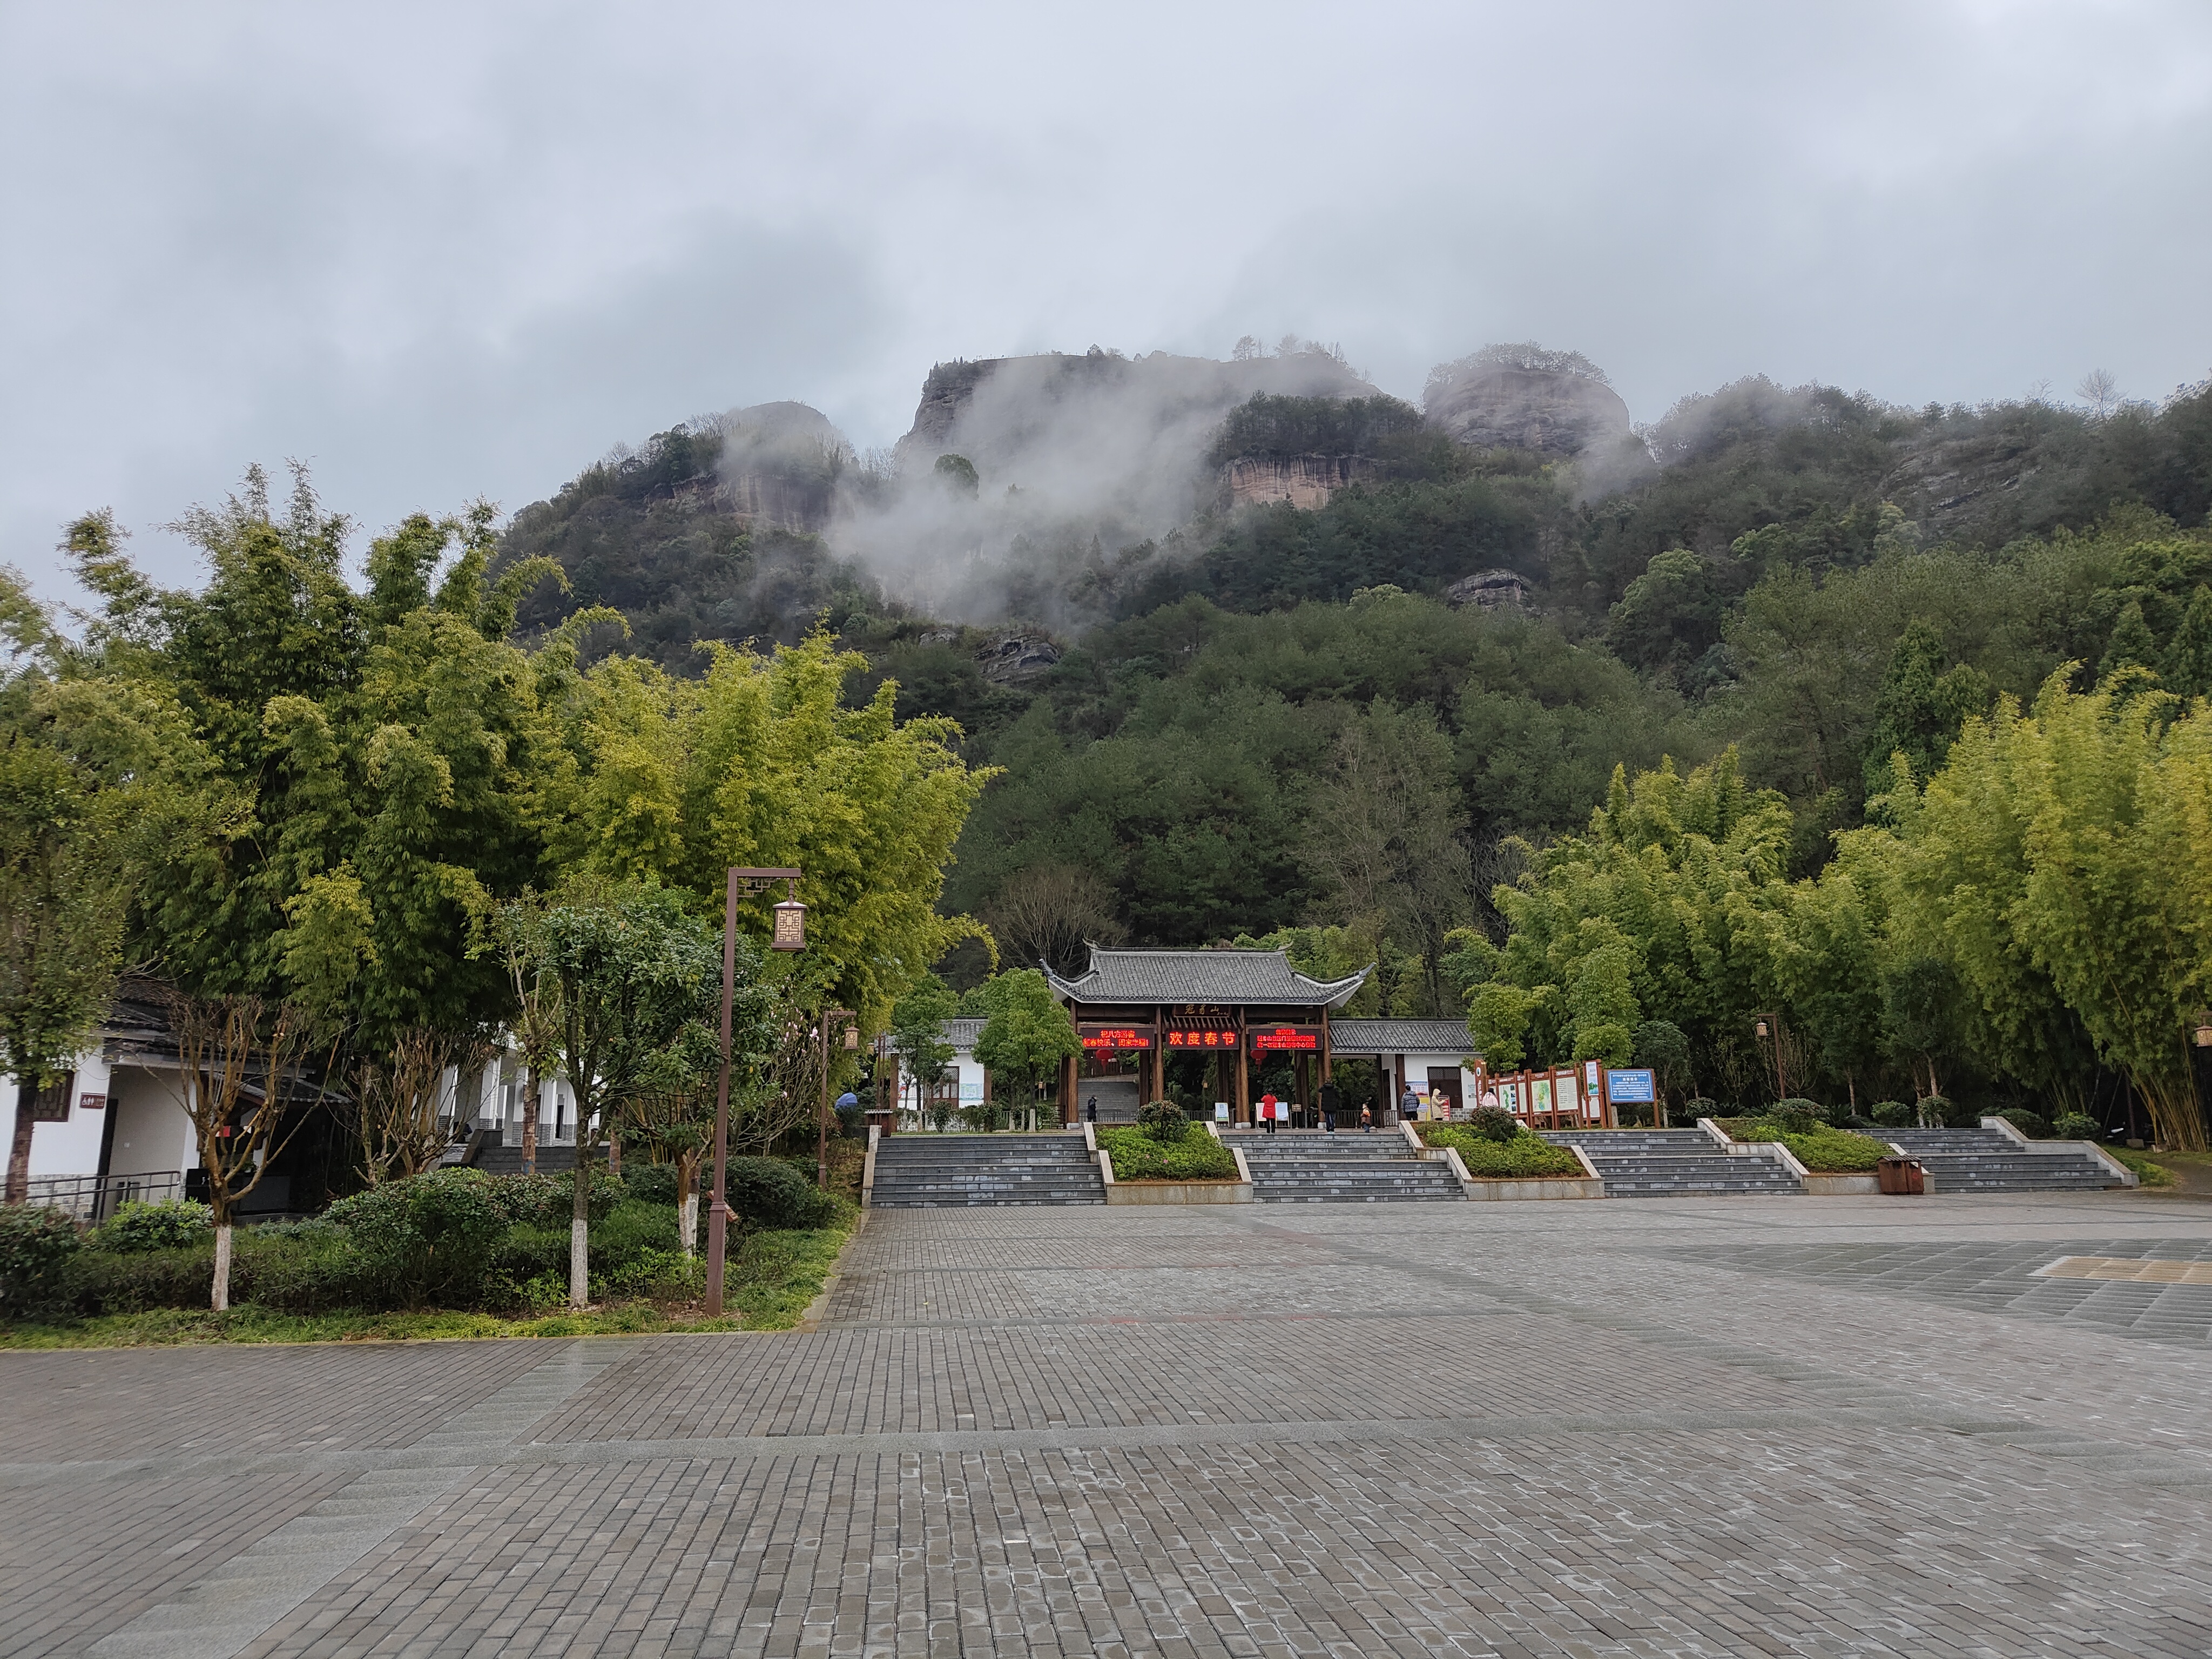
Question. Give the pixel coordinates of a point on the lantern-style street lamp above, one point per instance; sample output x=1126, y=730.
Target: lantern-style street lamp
x=2204, y=1028
x=1769, y=1026
x=790, y=934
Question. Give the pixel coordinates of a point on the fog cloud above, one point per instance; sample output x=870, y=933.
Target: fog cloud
x=442, y=251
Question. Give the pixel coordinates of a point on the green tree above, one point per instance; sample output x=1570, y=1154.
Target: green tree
x=2188, y=655
x=97, y=780
x=1026, y=1034
x=2131, y=645
x=631, y=969
x=918, y=1030
x=1920, y=707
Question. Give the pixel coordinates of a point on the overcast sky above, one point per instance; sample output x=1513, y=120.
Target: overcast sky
x=454, y=249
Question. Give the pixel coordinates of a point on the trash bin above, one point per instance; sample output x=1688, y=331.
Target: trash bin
x=1900, y=1175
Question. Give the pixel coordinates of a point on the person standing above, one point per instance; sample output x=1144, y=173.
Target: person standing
x=1090, y=1109
x=1367, y=1119
x=1267, y=1111
x=1409, y=1104
x=1329, y=1102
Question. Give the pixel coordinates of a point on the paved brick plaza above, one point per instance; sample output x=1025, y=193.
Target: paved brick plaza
x=1776, y=1426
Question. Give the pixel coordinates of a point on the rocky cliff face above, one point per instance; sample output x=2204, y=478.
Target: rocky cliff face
x=1101, y=435
x=1304, y=481
x=1552, y=412
x=779, y=467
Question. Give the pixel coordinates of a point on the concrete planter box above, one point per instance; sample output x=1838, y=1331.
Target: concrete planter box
x=1480, y=1188
x=1503, y=1188
x=1179, y=1192
x=1222, y=1191
x=1841, y=1186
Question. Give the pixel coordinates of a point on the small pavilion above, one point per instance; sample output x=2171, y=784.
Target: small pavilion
x=1136, y=1010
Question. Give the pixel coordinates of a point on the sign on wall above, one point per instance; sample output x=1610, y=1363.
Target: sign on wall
x=1287, y=1039
x=1114, y=1037
x=1186, y=1036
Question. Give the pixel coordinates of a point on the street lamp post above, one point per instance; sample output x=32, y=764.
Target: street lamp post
x=1770, y=1025
x=790, y=935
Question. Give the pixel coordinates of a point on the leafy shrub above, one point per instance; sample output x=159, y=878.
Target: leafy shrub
x=1493, y=1123
x=36, y=1244
x=768, y=1194
x=1893, y=1114
x=1526, y=1156
x=2030, y=1124
x=1797, y=1116
x=1163, y=1120
x=428, y=1238
x=981, y=1118
x=549, y=1201
x=2075, y=1126
x=178, y=1226
x=853, y=1122
x=1138, y=1156
x=119, y=1281
x=2150, y=1173
x=1701, y=1107
x=1821, y=1149
x=653, y=1183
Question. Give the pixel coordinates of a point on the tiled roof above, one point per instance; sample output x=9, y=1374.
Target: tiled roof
x=1399, y=1036
x=1215, y=976
x=958, y=1033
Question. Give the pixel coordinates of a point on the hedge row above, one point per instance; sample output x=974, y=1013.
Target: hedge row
x=1138, y=1156
x=1525, y=1157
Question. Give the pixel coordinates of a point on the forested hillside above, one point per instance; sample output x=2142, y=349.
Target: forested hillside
x=1269, y=718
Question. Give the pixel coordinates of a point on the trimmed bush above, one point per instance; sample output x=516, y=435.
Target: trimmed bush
x=655, y=1183
x=429, y=1238
x=766, y=1193
x=1701, y=1107
x=1163, y=1120
x=2076, y=1126
x=179, y=1226
x=1821, y=1149
x=1137, y=1156
x=1493, y=1123
x=2029, y=1123
x=1526, y=1157
x=1895, y=1115
x=549, y=1201
x=36, y=1245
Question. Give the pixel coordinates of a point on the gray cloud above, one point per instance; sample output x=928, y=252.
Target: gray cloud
x=444, y=251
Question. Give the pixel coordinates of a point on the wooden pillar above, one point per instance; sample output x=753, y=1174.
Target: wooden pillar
x=1070, y=1112
x=1241, y=1101
x=1328, y=1054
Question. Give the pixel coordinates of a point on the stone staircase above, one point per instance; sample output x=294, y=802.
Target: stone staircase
x=1990, y=1160
x=1311, y=1166
x=1675, y=1164
x=922, y=1171
x=495, y=1159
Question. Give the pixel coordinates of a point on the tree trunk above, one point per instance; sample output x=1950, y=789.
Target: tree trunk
x=579, y=1221
x=687, y=1202
x=2175, y=1121
x=219, y=1296
x=528, y=1123
x=19, y=1148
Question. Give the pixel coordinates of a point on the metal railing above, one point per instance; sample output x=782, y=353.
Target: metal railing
x=95, y=1197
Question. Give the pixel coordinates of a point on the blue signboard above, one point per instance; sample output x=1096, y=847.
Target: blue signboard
x=1637, y=1087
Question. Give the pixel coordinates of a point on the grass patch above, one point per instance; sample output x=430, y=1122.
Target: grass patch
x=2147, y=1170
x=1527, y=1157
x=1197, y=1157
x=770, y=1279
x=1822, y=1151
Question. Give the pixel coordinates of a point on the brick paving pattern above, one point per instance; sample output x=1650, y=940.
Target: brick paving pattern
x=1791, y=1426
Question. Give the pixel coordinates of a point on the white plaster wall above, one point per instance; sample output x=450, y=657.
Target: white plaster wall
x=62, y=1149
x=152, y=1130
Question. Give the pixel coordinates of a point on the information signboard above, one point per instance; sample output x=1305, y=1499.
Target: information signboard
x=1287, y=1039
x=1114, y=1037
x=1636, y=1087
